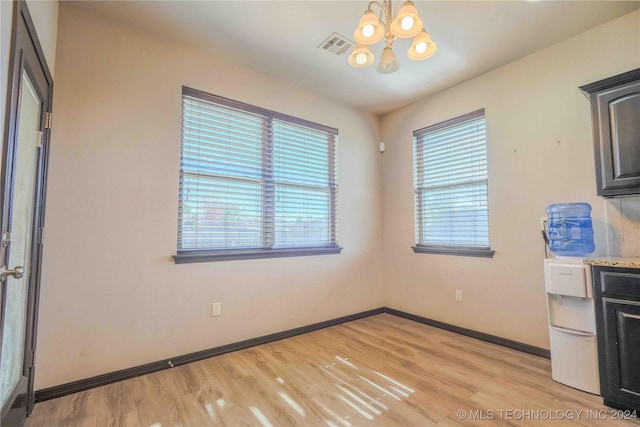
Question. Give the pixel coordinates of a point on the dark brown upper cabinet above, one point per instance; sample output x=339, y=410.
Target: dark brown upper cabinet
x=615, y=114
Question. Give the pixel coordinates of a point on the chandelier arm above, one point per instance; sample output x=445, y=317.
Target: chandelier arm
x=388, y=33
x=396, y=7
x=389, y=4
x=383, y=9
x=386, y=7
x=377, y=3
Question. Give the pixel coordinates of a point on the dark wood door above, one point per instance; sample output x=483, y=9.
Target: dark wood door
x=622, y=347
x=23, y=179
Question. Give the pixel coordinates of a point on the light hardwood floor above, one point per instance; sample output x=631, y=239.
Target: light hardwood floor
x=379, y=371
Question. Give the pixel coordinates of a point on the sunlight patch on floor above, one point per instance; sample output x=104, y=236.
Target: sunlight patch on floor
x=409, y=389
x=360, y=401
x=291, y=403
x=346, y=362
x=356, y=407
x=209, y=408
x=382, y=389
x=369, y=398
x=262, y=419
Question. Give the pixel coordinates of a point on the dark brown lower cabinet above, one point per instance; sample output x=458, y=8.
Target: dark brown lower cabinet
x=617, y=293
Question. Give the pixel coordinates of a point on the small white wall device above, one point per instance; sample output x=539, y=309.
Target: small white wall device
x=382, y=146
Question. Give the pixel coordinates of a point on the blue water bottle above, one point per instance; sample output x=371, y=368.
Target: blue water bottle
x=571, y=229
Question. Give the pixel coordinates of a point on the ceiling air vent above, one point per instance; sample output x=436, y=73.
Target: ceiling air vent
x=336, y=44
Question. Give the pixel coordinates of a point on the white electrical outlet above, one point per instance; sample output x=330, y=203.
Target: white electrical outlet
x=216, y=309
x=458, y=295
x=543, y=223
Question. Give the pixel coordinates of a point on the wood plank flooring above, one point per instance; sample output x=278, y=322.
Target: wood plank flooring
x=378, y=371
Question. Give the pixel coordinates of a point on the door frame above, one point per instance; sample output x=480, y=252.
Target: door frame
x=23, y=38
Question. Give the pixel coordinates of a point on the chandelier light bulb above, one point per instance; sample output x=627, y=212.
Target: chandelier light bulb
x=407, y=23
x=421, y=47
x=386, y=59
x=361, y=56
x=367, y=30
x=388, y=62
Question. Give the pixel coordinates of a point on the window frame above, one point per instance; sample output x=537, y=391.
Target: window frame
x=269, y=183
x=457, y=250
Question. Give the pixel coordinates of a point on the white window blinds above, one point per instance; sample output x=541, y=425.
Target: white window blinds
x=304, y=167
x=450, y=165
x=252, y=180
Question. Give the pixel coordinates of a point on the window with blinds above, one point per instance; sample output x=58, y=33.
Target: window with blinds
x=253, y=183
x=450, y=166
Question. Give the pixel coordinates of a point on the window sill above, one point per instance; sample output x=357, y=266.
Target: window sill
x=231, y=255
x=480, y=253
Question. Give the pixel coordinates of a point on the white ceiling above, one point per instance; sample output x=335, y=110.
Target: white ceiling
x=281, y=39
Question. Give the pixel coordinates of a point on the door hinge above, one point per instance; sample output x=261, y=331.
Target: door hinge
x=40, y=235
x=48, y=117
x=6, y=239
x=30, y=357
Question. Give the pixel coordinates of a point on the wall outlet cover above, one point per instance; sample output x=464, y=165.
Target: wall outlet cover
x=216, y=309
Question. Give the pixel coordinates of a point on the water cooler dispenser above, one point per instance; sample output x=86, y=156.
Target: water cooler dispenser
x=572, y=326
x=570, y=304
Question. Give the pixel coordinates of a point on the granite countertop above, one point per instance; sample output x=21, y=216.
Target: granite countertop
x=623, y=262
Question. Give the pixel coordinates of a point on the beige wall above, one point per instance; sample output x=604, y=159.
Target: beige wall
x=112, y=297
x=539, y=153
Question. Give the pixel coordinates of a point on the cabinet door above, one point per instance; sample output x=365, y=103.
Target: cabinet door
x=617, y=137
x=622, y=348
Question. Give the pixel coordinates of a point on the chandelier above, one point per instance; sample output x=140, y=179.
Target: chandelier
x=404, y=24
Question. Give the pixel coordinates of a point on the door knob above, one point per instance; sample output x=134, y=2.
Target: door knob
x=17, y=272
